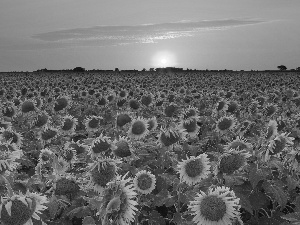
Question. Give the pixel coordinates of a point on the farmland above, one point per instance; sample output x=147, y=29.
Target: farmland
x=150, y=148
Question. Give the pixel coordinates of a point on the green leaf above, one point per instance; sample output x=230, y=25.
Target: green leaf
x=291, y=183
x=232, y=180
x=88, y=220
x=258, y=200
x=255, y=175
x=80, y=212
x=276, y=192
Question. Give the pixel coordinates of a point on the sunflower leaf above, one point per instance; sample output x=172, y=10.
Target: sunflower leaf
x=276, y=192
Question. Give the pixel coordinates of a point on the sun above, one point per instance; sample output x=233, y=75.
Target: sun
x=163, y=59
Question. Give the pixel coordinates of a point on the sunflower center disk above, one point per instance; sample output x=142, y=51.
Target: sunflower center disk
x=194, y=168
x=212, y=208
x=144, y=182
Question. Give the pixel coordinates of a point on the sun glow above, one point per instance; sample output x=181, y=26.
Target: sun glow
x=163, y=59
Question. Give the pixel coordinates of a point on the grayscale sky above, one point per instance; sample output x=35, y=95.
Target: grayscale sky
x=137, y=34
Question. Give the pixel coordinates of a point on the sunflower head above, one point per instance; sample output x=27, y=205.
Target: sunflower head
x=194, y=169
x=134, y=104
x=147, y=99
x=122, y=147
x=232, y=107
x=221, y=105
x=100, y=145
x=9, y=135
x=279, y=143
x=271, y=129
x=68, y=125
x=170, y=110
x=138, y=128
x=190, y=126
x=9, y=111
x=62, y=103
x=219, y=206
x=19, y=209
x=152, y=123
x=144, y=182
x=101, y=173
x=225, y=124
x=27, y=106
x=45, y=156
x=171, y=136
x=270, y=110
x=67, y=187
x=41, y=120
x=92, y=124
x=122, y=119
x=120, y=191
x=238, y=144
x=232, y=160
x=78, y=147
x=48, y=134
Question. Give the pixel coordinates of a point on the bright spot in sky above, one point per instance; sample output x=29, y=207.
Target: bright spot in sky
x=164, y=59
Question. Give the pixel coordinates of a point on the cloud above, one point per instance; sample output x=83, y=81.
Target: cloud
x=145, y=33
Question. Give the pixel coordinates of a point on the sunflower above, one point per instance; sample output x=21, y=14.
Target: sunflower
x=47, y=134
x=27, y=107
x=147, y=99
x=122, y=119
x=45, y=156
x=152, y=123
x=78, y=147
x=66, y=185
x=5, y=124
x=190, y=126
x=9, y=111
x=171, y=136
x=19, y=209
x=119, y=204
x=62, y=103
x=101, y=172
x=221, y=105
x=270, y=110
x=9, y=153
x=271, y=130
x=138, y=129
x=123, y=147
x=134, y=104
x=9, y=135
x=170, y=110
x=144, y=182
x=225, y=123
x=68, y=125
x=194, y=169
x=219, y=207
x=41, y=120
x=239, y=143
x=190, y=113
x=123, y=94
x=92, y=123
x=279, y=144
x=100, y=145
x=232, y=160
x=233, y=107
x=69, y=154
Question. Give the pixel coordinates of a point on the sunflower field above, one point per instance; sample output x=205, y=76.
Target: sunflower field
x=149, y=148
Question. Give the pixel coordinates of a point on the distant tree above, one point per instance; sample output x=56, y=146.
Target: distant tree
x=298, y=68
x=143, y=69
x=152, y=69
x=282, y=68
x=79, y=69
x=116, y=69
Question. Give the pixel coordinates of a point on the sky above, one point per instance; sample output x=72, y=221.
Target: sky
x=137, y=34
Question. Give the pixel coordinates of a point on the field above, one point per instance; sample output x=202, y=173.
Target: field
x=150, y=148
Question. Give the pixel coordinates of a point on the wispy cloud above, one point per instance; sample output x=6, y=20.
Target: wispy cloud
x=146, y=33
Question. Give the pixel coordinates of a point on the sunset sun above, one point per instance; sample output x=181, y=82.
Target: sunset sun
x=163, y=59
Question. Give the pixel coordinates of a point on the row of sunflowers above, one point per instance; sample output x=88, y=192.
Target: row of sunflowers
x=150, y=148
